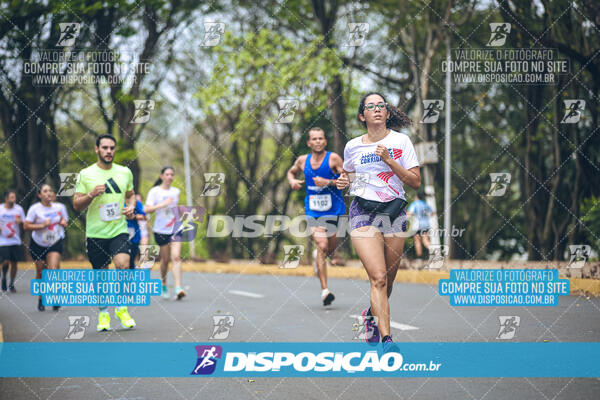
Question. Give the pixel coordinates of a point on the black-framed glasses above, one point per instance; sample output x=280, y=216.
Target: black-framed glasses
x=371, y=106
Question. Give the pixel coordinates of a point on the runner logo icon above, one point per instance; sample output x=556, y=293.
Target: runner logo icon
x=362, y=330
x=148, y=255
x=292, y=255
x=437, y=256
x=186, y=223
x=213, y=32
x=578, y=255
x=287, y=110
x=357, y=32
x=508, y=326
x=431, y=111
x=77, y=326
x=68, y=181
x=223, y=325
x=358, y=184
x=207, y=359
x=141, y=114
x=500, y=181
x=500, y=31
x=68, y=33
x=212, y=183
x=573, y=111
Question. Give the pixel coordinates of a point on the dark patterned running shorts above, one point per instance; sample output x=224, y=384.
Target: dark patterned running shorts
x=359, y=218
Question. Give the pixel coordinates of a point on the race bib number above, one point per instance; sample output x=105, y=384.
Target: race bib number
x=110, y=211
x=49, y=237
x=319, y=202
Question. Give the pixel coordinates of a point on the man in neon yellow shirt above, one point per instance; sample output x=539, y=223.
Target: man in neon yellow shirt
x=102, y=188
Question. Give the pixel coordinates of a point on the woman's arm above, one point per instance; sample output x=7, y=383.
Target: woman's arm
x=30, y=226
x=163, y=204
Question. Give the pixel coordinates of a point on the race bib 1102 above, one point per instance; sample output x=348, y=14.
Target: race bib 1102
x=319, y=202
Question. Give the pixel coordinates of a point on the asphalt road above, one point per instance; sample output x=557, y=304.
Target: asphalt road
x=287, y=308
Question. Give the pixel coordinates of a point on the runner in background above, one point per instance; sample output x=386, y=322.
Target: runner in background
x=163, y=199
x=11, y=215
x=143, y=224
x=47, y=221
x=102, y=188
x=421, y=211
x=323, y=203
x=133, y=228
x=64, y=212
x=63, y=208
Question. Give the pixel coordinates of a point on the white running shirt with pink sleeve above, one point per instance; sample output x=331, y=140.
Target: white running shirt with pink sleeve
x=37, y=214
x=165, y=217
x=10, y=233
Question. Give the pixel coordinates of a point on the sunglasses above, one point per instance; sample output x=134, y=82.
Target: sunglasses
x=371, y=106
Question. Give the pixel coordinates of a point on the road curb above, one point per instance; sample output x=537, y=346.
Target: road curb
x=586, y=287
x=406, y=276
x=579, y=286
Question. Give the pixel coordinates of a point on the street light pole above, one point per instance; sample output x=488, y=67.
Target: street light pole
x=188, y=182
x=447, y=193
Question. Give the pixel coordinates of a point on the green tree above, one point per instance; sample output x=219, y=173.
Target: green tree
x=240, y=106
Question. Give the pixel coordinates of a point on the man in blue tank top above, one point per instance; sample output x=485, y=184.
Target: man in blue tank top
x=323, y=203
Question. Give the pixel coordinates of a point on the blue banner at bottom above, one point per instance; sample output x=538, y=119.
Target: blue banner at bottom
x=227, y=359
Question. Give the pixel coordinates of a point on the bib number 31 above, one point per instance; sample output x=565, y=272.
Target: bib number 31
x=49, y=237
x=110, y=212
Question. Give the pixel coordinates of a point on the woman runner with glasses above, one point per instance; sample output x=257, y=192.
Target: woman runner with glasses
x=385, y=161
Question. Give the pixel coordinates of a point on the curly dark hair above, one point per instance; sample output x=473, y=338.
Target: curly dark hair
x=397, y=120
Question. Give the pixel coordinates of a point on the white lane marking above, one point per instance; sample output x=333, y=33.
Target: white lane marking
x=393, y=324
x=247, y=294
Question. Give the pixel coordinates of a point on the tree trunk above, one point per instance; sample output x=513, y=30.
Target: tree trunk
x=326, y=15
x=338, y=116
x=34, y=150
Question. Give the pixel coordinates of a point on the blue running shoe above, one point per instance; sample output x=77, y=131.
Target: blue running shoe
x=389, y=346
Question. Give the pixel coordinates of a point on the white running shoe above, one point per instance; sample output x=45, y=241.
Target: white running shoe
x=327, y=297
